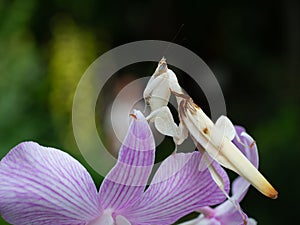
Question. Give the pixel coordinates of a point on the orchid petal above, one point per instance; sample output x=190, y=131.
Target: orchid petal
x=248, y=147
x=105, y=219
x=228, y=214
x=224, y=214
x=178, y=188
x=42, y=185
x=121, y=220
x=201, y=220
x=251, y=221
x=126, y=182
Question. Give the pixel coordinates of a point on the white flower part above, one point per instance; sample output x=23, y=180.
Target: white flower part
x=121, y=220
x=105, y=219
x=201, y=221
x=251, y=221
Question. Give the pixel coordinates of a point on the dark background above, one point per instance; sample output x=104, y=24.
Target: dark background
x=252, y=47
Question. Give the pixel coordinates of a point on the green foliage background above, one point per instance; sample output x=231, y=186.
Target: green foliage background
x=253, y=48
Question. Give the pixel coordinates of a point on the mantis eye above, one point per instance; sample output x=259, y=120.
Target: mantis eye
x=162, y=65
x=163, y=68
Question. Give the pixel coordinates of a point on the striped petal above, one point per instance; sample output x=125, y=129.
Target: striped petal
x=226, y=213
x=126, y=182
x=247, y=146
x=42, y=185
x=178, y=188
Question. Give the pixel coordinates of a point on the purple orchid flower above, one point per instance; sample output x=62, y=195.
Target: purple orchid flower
x=46, y=186
x=227, y=213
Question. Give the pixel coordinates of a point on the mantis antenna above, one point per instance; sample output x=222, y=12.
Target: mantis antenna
x=173, y=39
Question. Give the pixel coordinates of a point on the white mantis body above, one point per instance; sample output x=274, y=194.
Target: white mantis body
x=157, y=94
x=213, y=139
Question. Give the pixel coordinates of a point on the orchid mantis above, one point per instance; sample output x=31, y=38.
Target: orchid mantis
x=157, y=94
x=215, y=139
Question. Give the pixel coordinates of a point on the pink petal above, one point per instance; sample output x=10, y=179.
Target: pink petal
x=226, y=213
x=42, y=185
x=127, y=180
x=249, y=149
x=177, y=189
x=248, y=146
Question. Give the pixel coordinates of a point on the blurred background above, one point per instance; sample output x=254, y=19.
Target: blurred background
x=253, y=48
